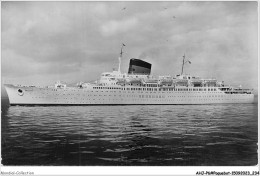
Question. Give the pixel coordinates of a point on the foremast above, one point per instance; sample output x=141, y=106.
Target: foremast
x=120, y=58
x=184, y=62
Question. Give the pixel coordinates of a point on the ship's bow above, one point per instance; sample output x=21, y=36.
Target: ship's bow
x=15, y=94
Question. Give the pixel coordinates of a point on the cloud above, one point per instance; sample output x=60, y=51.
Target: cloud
x=115, y=27
x=64, y=39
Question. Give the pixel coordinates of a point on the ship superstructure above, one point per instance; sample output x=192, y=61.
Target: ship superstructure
x=137, y=86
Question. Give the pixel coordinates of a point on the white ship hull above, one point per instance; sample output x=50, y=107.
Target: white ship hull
x=119, y=96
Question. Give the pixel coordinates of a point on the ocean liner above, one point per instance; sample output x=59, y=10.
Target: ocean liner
x=137, y=86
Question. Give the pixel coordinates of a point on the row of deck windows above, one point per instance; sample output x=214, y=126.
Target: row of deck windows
x=107, y=88
x=150, y=96
x=159, y=89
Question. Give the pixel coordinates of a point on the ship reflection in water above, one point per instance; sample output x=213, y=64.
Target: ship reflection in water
x=174, y=135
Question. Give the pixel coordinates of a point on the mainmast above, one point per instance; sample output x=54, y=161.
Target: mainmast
x=184, y=62
x=120, y=57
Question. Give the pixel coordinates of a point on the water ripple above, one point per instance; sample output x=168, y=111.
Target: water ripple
x=130, y=135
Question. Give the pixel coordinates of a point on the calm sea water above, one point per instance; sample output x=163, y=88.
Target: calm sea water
x=172, y=135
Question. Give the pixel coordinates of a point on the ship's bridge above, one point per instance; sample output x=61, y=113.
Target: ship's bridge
x=114, y=74
x=110, y=78
x=186, y=77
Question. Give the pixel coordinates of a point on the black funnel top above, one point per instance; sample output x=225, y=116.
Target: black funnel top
x=137, y=66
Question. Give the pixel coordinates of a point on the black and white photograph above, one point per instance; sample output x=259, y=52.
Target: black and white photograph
x=129, y=83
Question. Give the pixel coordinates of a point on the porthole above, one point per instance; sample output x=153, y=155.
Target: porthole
x=20, y=92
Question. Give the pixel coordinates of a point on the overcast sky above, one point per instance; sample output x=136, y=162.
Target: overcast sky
x=43, y=42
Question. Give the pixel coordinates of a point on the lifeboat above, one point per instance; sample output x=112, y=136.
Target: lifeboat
x=181, y=82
